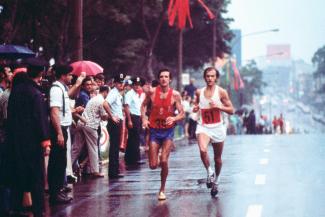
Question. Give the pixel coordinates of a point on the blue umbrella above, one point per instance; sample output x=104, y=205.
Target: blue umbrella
x=10, y=51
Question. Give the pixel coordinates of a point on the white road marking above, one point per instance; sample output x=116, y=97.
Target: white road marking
x=264, y=161
x=260, y=179
x=254, y=210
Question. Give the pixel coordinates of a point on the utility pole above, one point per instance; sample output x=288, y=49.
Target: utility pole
x=180, y=60
x=214, y=41
x=77, y=30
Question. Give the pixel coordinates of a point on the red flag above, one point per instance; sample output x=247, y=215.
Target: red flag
x=210, y=14
x=238, y=82
x=181, y=9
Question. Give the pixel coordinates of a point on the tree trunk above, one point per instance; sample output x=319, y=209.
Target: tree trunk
x=63, y=52
x=214, y=42
x=11, y=27
x=77, y=32
x=180, y=60
x=152, y=41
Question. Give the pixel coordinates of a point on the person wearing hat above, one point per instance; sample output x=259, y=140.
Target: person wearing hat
x=132, y=106
x=114, y=108
x=61, y=119
x=28, y=137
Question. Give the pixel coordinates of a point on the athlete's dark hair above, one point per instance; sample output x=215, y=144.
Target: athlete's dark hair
x=164, y=70
x=210, y=69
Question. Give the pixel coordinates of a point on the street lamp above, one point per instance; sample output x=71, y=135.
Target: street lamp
x=234, y=43
x=237, y=39
x=261, y=32
x=254, y=33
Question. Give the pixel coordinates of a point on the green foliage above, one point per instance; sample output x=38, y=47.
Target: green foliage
x=252, y=78
x=118, y=34
x=319, y=61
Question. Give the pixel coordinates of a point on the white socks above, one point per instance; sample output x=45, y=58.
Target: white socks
x=217, y=179
x=210, y=171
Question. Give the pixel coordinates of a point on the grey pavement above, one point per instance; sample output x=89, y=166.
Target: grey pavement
x=262, y=175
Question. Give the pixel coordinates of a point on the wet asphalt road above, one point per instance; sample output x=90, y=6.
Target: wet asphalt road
x=262, y=175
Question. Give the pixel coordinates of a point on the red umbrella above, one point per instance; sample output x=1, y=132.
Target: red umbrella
x=91, y=68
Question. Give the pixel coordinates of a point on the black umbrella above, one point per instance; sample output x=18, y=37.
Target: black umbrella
x=10, y=51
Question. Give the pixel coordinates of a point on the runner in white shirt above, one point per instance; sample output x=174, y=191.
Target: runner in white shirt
x=211, y=101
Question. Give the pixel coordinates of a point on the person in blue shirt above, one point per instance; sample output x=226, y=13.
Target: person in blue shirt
x=190, y=88
x=84, y=95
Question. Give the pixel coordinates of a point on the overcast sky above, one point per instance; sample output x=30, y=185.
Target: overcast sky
x=301, y=24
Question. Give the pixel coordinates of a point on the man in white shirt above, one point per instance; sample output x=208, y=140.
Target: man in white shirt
x=92, y=115
x=114, y=107
x=132, y=106
x=61, y=119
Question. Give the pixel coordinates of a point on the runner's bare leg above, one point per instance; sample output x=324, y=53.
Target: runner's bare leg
x=203, y=141
x=153, y=155
x=165, y=151
x=218, y=148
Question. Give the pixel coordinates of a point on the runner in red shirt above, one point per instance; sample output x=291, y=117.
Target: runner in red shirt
x=164, y=101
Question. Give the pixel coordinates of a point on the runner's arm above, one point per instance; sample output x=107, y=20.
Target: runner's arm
x=144, y=106
x=179, y=107
x=197, y=101
x=226, y=103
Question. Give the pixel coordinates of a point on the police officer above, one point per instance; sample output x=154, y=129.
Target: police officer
x=132, y=107
x=114, y=108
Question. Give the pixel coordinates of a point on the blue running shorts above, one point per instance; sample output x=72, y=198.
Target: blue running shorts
x=160, y=135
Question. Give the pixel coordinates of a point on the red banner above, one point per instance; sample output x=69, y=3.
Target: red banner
x=181, y=10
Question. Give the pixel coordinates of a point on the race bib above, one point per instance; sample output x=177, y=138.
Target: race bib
x=160, y=123
x=210, y=116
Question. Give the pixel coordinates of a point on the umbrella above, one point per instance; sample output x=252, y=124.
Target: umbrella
x=91, y=68
x=11, y=51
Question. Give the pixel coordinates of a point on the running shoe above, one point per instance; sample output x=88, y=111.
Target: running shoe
x=210, y=180
x=214, y=189
x=161, y=196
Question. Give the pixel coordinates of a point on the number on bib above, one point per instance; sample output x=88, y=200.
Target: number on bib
x=210, y=116
x=161, y=123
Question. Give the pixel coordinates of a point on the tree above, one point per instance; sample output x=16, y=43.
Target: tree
x=152, y=35
x=319, y=61
x=252, y=78
x=198, y=41
x=121, y=35
x=38, y=23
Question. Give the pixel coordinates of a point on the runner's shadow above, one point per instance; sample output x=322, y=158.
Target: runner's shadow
x=202, y=181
